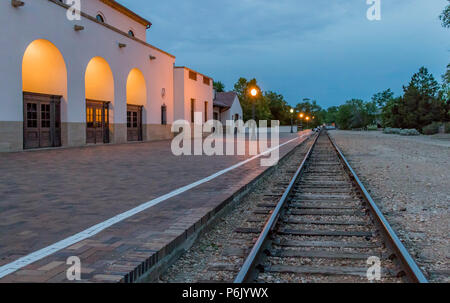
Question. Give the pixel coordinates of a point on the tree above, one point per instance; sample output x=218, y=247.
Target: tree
x=420, y=105
x=262, y=110
x=446, y=77
x=279, y=108
x=344, y=116
x=331, y=115
x=310, y=109
x=390, y=114
x=356, y=113
x=445, y=16
x=382, y=98
x=444, y=94
x=219, y=86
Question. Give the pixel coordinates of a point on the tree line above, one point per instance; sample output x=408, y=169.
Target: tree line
x=423, y=102
x=270, y=105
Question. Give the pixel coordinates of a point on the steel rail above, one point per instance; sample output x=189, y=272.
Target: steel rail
x=256, y=250
x=412, y=270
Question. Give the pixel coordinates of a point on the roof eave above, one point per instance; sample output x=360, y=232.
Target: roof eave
x=129, y=13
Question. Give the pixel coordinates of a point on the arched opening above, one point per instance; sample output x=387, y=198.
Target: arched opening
x=99, y=86
x=100, y=18
x=136, y=100
x=44, y=85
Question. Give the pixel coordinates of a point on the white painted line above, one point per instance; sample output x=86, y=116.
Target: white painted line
x=92, y=231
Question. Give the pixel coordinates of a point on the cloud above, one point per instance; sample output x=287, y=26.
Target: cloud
x=320, y=49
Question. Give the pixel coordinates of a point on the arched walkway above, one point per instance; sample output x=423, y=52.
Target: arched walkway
x=44, y=85
x=99, y=86
x=136, y=101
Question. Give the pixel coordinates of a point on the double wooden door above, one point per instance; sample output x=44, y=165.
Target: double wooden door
x=134, y=123
x=41, y=120
x=97, y=122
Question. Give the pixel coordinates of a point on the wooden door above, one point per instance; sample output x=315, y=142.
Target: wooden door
x=134, y=123
x=42, y=120
x=97, y=122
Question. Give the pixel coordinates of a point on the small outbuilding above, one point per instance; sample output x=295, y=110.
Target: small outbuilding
x=227, y=107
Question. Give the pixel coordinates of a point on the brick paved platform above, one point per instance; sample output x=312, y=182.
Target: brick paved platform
x=47, y=196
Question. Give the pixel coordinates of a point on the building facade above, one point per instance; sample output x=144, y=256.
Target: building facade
x=75, y=82
x=227, y=107
x=193, y=93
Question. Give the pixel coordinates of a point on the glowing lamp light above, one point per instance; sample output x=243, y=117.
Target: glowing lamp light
x=302, y=115
x=292, y=110
x=307, y=118
x=254, y=92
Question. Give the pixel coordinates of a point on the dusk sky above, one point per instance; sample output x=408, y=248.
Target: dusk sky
x=323, y=49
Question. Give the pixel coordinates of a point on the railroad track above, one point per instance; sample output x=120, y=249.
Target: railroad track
x=322, y=226
x=326, y=227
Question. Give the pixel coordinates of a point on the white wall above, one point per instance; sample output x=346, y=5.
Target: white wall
x=114, y=17
x=236, y=108
x=42, y=19
x=187, y=89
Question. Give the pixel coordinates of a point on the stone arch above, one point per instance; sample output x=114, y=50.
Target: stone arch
x=44, y=69
x=136, y=88
x=44, y=86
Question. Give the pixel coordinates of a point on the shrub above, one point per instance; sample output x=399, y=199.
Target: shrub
x=409, y=132
x=389, y=130
x=431, y=129
x=372, y=127
x=447, y=128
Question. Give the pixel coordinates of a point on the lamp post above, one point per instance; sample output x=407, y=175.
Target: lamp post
x=301, y=120
x=253, y=93
x=292, y=120
x=307, y=121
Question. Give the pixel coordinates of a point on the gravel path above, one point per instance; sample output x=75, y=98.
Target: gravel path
x=409, y=178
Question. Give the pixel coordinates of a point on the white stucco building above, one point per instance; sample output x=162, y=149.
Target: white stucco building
x=90, y=81
x=227, y=107
x=193, y=92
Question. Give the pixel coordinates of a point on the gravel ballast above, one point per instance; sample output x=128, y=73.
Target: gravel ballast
x=409, y=178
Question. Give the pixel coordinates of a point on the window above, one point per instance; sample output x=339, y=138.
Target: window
x=45, y=115
x=192, y=110
x=32, y=115
x=164, y=115
x=135, y=120
x=206, y=111
x=90, y=117
x=193, y=75
x=100, y=18
x=206, y=80
x=128, y=119
x=130, y=33
x=98, y=117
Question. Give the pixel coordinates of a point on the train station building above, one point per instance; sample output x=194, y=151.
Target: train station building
x=90, y=81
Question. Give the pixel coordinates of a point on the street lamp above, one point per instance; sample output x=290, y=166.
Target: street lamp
x=292, y=120
x=307, y=121
x=301, y=120
x=253, y=94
